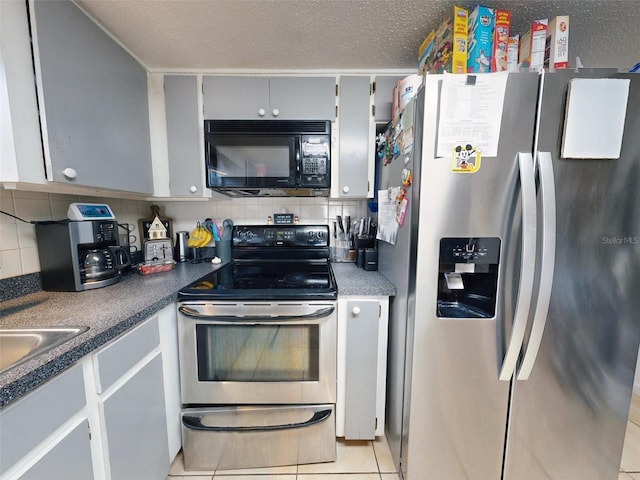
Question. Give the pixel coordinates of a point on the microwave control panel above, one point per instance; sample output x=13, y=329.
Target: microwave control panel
x=314, y=166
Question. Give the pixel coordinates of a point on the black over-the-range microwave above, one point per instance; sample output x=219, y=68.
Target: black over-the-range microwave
x=268, y=157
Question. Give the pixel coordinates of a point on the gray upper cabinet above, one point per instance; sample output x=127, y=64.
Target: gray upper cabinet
x=94, y=103
x=183, y=135
x=269, y=98
x=355, y=163
x=384, y=86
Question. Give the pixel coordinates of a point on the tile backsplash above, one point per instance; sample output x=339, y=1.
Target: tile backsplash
x=18, y=247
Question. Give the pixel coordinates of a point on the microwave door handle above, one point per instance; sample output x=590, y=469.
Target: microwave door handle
x=195, y=423
x=194, y=312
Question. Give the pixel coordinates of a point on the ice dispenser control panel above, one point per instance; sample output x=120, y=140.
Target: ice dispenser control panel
x=468, y=277
x=469, y=250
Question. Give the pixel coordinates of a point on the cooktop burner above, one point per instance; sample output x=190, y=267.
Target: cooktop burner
x=265, y=281
x=271, y=263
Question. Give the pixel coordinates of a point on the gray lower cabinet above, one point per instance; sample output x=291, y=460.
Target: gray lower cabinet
x=362, y=366
x=46, y=433
x=183, y=136
x=109, y=417
x=136, y=427
x=269, y=98
x=94, y=104
x=70, y=458
x=362, y=352
x=355, y=161
x=132, y=405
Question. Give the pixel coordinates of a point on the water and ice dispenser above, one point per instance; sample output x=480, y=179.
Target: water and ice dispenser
x=468, y=277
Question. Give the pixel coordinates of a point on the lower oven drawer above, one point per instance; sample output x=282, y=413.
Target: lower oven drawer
x=262, y=436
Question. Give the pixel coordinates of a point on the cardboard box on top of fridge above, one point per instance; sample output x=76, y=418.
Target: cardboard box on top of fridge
x=449, y=53
x=513, y=48
x=501, y=26
x=480, y=40
x=556, y=52
x=424, y=51
x=532, y=44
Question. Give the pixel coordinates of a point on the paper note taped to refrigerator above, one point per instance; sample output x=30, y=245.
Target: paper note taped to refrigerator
x=471, y=112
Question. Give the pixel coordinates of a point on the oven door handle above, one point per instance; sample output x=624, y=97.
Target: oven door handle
x=194, y=312
x=195, y=423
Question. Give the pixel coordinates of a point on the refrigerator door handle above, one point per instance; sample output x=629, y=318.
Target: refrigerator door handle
x=548, y=257
x=527, y=265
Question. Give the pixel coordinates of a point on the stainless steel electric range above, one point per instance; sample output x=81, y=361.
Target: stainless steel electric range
x=258, y=353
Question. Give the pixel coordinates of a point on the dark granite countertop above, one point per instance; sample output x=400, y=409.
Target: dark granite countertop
x=108, y=312
x=352, y=280
x=111, y=311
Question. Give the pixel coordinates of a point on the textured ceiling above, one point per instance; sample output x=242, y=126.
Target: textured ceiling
x=350, y=35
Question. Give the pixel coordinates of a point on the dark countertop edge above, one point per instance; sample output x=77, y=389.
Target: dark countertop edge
x=24, y=384
x=109, y=312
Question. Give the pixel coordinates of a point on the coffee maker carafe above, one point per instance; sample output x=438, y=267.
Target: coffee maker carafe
x=80, y=255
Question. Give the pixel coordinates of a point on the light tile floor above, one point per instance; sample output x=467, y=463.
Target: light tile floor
x=372, y=461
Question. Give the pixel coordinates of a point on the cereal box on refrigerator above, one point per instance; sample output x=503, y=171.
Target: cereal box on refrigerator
x=501, y=25
x=424, y=51
x=556, y=52
x=480, y=40
x=532, y=44
x=512, y=53
x=449, y=53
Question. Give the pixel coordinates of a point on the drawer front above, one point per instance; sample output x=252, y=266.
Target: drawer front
x=253, y=437
x=118, y=357
x=32, y=419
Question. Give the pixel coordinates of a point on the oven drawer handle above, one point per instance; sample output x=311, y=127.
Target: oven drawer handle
x=196, y=313
x=195, y=423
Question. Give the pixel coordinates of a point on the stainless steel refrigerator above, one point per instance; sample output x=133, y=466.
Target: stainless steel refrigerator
x=514, y=335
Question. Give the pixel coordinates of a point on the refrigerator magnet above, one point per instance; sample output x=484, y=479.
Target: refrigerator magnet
x=406, y=177
x=466, y=159
x=402, y=211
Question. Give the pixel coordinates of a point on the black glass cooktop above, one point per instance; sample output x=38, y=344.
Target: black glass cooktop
x=265, y=280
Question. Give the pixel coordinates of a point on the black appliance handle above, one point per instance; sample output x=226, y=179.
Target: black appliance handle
x=195, y=423
x=192, y=312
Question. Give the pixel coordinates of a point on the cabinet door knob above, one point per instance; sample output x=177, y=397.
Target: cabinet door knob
x=345, y=189
x=275, y=112
x=193, y=189
x=262, y=112
x=355, y=311
x=69, y=173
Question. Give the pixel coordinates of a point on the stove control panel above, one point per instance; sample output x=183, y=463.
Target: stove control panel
x=266, y=236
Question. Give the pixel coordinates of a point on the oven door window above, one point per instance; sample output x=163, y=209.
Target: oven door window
x=258, y=353
x=251, y=161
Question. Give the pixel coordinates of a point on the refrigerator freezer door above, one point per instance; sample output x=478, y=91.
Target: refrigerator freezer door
x=568, y=420
x=458, y=410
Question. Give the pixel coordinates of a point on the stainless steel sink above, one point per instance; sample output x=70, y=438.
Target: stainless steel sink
x=18, y=345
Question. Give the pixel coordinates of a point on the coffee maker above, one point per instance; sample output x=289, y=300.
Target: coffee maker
x=80, y=255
